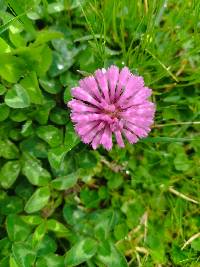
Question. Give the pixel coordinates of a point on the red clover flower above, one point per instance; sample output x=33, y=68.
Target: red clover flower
x=111, y=101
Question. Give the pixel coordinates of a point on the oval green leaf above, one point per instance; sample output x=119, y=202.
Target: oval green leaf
x=50, y=134
x=35, y=173
x=65, y=182
x=17, y=97
x=110, y=256
x=16, y=228
x=4, y=112
x=38, y=200
x=24, y=254
x=9, y=173
x=81, y=252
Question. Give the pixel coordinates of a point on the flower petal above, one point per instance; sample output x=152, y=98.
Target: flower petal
x=112, y=76
x=134, y=85
x=83, y=128
x=119, y=138
x=81, y=94
x=88, y=137
x=140, y=132
x=89, y=84
x=79, y=106
x=138, y=98
x=140, y=110
x=132, y=138
x=77, y=117
x=106, y=139
x=97, y=139
x=102, y=81
x=123, y=79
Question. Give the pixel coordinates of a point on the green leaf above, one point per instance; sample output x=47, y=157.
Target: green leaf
x=42, y=113
x=181, y=162
x=57, y=227
x=4, y=112
x=45, y=36
x=196, y=244
x=155, y=243
x=56, y=156
x=34, y=172
x=178, y=255
x=71, y=214
x=17, y=39
x=13, y=262
x=35, y=147
x=5, y=246
x=24, y=189
x=16, y=228
x=36, y=13
x=51, y=260
x=4, y=262
x=15, y=135
x=55, y=7
x=27, y=128
x=38, y=200
x=30, y=84
x=39, y=233
x=70, y=80
x=71, y=138
x=67, y=95
x=11, y=204
x=115, y=180
x=18, y=115
x=11, y=68
x=65, y=182
x=23, y=254
x=90, y=198
x=38, y=59
x=110, y=256
x=9, y=173
x=45, y=60
x=4, y=47
x=50, y=134
x=105, y=223
x=2, y=89
x=121, y=231
x=17, y=97
x=32, y=219
x=86, y=160
x=50, y=86
x=8, y=150
x=81, y=252
x=59, y=116
x=61, y=63
x=46, y=246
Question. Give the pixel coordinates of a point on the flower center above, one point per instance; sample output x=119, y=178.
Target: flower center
x=113, y=114
x=112, y=111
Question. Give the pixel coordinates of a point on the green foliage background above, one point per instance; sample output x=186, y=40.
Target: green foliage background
x=63, y=204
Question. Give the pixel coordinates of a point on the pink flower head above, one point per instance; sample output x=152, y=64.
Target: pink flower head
x=111, y=102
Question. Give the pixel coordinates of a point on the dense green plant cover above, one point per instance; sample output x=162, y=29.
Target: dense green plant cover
x=63, y=204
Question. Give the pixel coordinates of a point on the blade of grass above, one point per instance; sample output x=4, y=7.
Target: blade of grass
x=162, y=64
x=167, y=139
x=5, y=26
x=177, y=123
x=18, y=9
